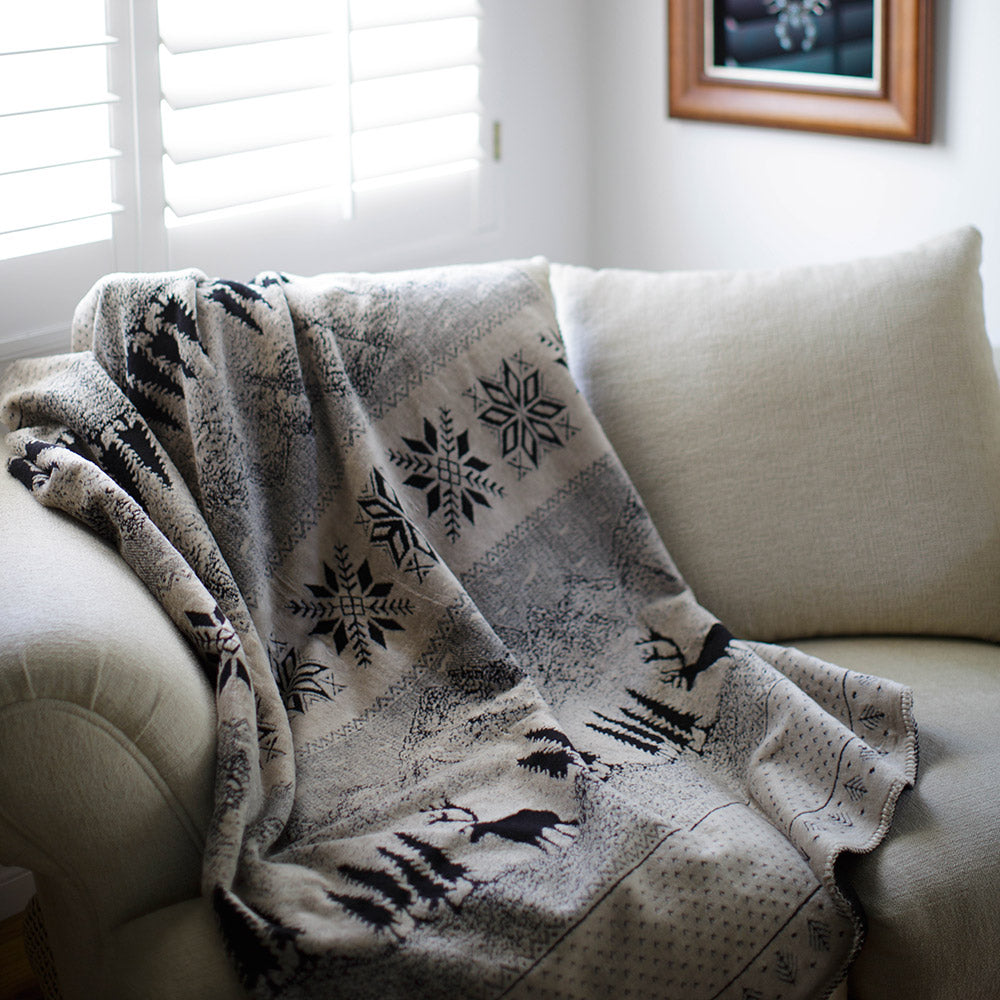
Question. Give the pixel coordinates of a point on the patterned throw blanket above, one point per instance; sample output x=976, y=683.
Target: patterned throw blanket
x=475, y=736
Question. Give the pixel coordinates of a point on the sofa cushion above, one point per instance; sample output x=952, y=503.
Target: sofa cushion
x=818, y=446
x=931, y=892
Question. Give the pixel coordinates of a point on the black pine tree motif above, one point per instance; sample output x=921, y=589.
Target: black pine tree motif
x=436, y=860
x=819, y=935
x=301, y=682
x=27, y=470
x=265, y=946
x=786, y=967
x=352, y=607
x=856, y=789
x=651, y=728
x=553, y=762
x=377, y=916
x=130, y=456
x=453, y=480
x=527, y=421
x=390, y=528
x=231, y=295
x=380, y=881
x=409, y=884
x=155, y=369
x=555, y=757
x=871, y=718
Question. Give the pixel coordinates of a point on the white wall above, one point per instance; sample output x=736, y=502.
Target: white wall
x=680, y=194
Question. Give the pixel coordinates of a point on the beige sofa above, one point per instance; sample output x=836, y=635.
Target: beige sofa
x=832, y=431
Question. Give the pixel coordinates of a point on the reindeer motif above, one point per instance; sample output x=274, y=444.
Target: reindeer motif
x=526, y=826
x=714, y=648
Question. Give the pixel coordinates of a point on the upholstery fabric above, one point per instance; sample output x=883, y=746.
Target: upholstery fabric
x=853, y=409
x=469, y=717
x=107, y=738
x=930, y=892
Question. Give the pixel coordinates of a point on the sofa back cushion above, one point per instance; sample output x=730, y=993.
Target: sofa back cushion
x=818, y=446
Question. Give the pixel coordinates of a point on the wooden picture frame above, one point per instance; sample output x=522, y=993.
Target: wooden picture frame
x=894, y=102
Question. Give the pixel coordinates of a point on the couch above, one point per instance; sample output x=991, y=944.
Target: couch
x=832, y=430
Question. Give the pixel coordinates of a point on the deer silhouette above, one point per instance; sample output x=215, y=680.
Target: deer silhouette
x=714, y=648
x=526, y=826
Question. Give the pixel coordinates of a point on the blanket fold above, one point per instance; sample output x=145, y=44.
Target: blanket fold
x=476, y=737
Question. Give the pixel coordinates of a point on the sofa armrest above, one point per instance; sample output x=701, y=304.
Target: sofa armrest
x=107, y=732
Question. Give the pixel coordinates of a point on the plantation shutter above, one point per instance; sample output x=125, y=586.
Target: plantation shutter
x=253, y=102
x=56, y=154
x=264, y=101
x=414, y=89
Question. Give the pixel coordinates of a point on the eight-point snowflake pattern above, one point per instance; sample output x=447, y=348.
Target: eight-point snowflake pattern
x=453, y=479
x=352, y=607
x=526, y=420
x=389, y=528
x=219, y=644
x=301, y=682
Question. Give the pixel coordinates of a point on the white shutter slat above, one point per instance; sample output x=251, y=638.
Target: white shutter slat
x=55, y=194
x=59, y=78
x=55, y=142
x=27, y=46
x=193, y=25
x=249, y=178
x=28, y=106
x=399, y=149
x=336, y=95
x=195, y=79
x=26, y=164
x=54, y=24
x=52, y=137
x=415, y=104
x=397, y=99
x=409, y=48
x=235, y=126
x=377, y=13
x=250, y=92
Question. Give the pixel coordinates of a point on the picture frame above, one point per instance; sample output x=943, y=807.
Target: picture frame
x=728, y=62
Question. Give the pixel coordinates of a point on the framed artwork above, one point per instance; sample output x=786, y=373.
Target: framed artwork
x=854, y=67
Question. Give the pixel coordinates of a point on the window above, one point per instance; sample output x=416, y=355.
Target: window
x=231, y=136
x=55, y=140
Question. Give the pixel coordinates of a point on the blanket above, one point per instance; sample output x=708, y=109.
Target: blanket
x=476, y=737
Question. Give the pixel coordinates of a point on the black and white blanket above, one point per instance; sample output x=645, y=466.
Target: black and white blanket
x=475, y=736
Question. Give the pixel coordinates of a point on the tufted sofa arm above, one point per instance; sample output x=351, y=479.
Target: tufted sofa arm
x=106, y=736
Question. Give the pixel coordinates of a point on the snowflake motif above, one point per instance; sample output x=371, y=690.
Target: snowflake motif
x=300, y=682
x=267, y=736
x=219, y=645
x=453, y=480
x=392, y=530
x=352, y=607
x=526, y=420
